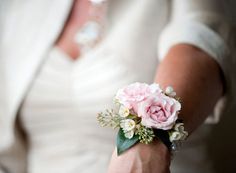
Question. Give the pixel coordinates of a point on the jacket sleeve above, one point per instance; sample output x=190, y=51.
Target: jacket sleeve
x=204, y=24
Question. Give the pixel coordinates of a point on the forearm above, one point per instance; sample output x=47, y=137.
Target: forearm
x=197, y=80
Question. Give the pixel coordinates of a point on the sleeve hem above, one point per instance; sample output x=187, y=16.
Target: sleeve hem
x=201, y=36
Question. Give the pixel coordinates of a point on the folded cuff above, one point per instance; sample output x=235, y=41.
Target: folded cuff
x=203, y=37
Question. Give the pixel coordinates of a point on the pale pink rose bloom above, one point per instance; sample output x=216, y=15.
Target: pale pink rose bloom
x=159, y=111
x=132, y=94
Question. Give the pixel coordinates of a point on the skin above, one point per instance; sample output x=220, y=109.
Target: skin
x=195, y=76
x=197, y=80
x=77, y=17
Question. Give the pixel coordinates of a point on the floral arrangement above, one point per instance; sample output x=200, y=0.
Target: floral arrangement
x=145, y=112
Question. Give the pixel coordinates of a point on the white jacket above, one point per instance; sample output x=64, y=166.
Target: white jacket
x=28, y=29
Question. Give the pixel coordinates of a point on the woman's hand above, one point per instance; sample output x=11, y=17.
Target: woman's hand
x=142, y=158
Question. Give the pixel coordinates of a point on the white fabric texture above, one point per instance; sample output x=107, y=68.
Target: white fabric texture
x=203, y=37
x=28, y=31
x=59, y=114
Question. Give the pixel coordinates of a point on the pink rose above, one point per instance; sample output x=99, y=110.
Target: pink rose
x=132, y=94
x=159, y=111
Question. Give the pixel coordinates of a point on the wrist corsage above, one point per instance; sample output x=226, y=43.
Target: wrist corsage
x=145, y=112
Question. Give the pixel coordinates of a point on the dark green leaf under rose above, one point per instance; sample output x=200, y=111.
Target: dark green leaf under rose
x=124, y=143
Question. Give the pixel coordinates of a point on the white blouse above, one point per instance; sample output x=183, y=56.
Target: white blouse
x=59, y=114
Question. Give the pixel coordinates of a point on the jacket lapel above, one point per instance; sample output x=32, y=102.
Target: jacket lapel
x=31, y=30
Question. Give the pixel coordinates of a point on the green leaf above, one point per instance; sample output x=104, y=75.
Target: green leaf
x=124, y=143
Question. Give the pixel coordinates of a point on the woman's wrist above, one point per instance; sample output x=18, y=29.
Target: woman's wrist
x=142, y=158
x=157, y=147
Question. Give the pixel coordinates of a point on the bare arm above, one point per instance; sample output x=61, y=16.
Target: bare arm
x=196, y=77
x=192, y=72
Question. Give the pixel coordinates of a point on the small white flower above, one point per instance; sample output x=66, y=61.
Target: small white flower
x=123, y=111
x=116, y=101
x=170, y=91
x=127, y=125
x=129, y=134
x=179, y=133
x=175, y=136
x=179, y=127
x=138, y=126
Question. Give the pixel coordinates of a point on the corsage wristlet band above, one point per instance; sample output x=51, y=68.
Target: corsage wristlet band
x=145, y=112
